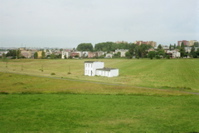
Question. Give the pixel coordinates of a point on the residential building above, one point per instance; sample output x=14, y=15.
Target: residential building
x=152, y=43
x=109, y=55
x=122, y=52
x=173, y=53
x=191, y=43
x=185, y=42
x=91, y=66
x=95, y=68
x=108, y=72
x=92, y=54
x=26, y=53
x=65, y=54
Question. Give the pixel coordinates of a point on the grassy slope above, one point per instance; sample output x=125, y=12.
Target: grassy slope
x=15, y=83
x=136, y=112
x=173, y=73
x=98, y=113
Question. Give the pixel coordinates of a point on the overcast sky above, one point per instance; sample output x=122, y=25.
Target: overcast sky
x=67, y=23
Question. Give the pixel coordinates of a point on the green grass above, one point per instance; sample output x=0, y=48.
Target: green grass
x=98, y=113
x=16, y=83
x=32, y=100
x=165, y=73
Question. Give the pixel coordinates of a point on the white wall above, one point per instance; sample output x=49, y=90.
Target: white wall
x=90, y=67
x=111, y=73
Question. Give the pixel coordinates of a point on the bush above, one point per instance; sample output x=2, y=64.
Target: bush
x=3, y=92
x=53, y=74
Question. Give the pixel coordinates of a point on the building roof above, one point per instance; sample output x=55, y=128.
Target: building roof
x=106, y=69
x=89, y=61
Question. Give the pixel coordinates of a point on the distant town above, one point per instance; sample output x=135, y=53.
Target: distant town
x=120, y=49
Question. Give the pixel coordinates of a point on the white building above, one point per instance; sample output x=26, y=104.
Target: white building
x=175, y=53
x=108, y=72
x=122, y=51
x=94, y=68
x=65, y=54
x=109, y=55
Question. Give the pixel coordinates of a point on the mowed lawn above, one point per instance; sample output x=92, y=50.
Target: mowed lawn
x=163, y=73
x=98, y=113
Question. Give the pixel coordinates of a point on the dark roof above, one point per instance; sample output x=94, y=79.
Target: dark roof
x=89, y=61
x=106, y=69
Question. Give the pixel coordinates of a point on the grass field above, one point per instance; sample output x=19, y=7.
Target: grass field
x=148, y=96
x=163, y=74
x=98, y=113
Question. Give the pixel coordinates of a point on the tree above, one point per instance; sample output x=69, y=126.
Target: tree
x=160, y=52
x=193, y=53
x=128, y=55
x=174, y=47
x=182, y=50
x=18, y=54
x=159, y=46
x=117, y=55
x=52, y=56
x=15, y=54
x=197, y=53
x=35, y=55
x=151, y=54
x=43, y=55
x=85, y=47
x=170, y=47
x=196, y=44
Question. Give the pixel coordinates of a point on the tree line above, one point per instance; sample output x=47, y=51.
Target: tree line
x=139, y=51
x=103, y=46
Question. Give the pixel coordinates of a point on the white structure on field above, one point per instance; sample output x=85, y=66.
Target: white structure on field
x=94, y=68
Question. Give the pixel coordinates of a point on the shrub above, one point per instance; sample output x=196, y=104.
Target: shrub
x=3, y=92
x=52, y=73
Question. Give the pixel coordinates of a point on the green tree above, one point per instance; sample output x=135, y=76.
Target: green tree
x=15, y=54
x=182, y=50
x=18, y=54
x=170, y=47
x=197, y=53
x=174, y=47
x=117, y=55
x=151, y=54
x=85, y=47
x=159, y=46
x=193, y=53
x=52, y=56
x=128, y=55
x=160, y=52
x=43, y=55
x=196, y=44
x=35, y=55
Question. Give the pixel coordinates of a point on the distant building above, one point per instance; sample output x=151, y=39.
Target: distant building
x=174, y=53
x=65, y=55
x=94, y=68
x=26, y=53
x=109, y=55
x=39, y=54
x=74, y=54
x=191, y=43
x=185, y=42
x=152, y=43
x=92, y=54
x=121, y=42
x=122, y=52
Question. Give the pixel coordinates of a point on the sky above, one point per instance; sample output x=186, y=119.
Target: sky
x=67, y=23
